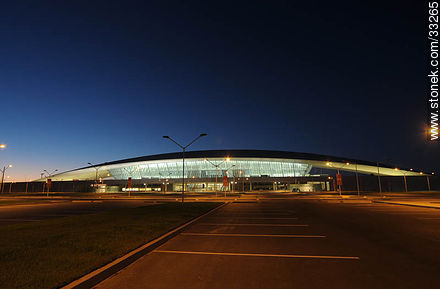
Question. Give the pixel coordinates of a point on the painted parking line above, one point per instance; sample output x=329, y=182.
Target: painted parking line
x=257, y=212
x=410, y=213
x=20, y=220
x=241, y=224
x=257, y=255
x=256, y=218
x=253, y=235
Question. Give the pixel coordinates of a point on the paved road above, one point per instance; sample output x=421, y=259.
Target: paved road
x=300, y=243
x=11, y=214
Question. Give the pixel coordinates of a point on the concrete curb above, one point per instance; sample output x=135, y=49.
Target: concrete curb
x=93, y=278
x=402, y=204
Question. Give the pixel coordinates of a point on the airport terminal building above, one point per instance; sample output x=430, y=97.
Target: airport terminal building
x=228, y=170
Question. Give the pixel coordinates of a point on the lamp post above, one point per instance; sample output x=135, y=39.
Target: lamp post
x=378, y=174
x=404, y=179
x=49, y=175
x=96, y=175
x=129, y=173
x=216, y=171
x=378, y=178
x=233, y=180
x=357, y=180
x=427, y=181
x=183, y=159
x=338, y=168
x=3, y=175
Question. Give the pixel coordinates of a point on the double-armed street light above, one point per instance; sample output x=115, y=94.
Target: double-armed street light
x=96, y=175
x=227, y=159
x=3, y=175
x=233, y=183
x=404, y=178
x=183, y=159
x=96, y=171
x=48, y=176
x=339, y=175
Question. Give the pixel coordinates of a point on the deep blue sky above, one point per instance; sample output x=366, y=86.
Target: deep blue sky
x=95, y=81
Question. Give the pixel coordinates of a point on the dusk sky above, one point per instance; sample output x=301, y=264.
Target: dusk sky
x=97, y=81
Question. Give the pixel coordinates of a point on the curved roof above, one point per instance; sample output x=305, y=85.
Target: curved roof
x=244, y=154
x=315, y=160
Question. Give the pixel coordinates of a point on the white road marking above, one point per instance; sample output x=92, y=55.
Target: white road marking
x=257, y=218
x=253, y=235
x=257, y=255
x=241, y=224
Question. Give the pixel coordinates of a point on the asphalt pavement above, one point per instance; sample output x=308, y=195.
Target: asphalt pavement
x=295, y=242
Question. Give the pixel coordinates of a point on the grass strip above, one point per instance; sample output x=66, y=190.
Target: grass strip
x=53, y=252
x=20, y=202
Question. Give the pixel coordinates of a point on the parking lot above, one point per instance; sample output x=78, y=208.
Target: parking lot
x=312, y=243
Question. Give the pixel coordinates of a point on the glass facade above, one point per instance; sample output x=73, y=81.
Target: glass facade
x=200, y=168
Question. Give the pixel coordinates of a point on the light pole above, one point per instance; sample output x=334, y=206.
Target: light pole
x=427, y=181
x=216, y=171
x=357, y=180
x=49, y=175
x=378, y=178
x=404, y=179
x=3, y=175
x=338, y=168
x=96, y=176
x=183, y=159
x=129, y=173
x=226, y=172
x=378, y=175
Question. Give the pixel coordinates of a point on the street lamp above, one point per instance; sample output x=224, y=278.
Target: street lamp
x=2, y=146
x=3, y=175
x=183, y=159
x=96, y=171
x=404, y=179
x=378, y=174
x=357, y=180
x=233, y=183
x=338, y=168
x=50, y=174
x=427, y=181
x=216, y=171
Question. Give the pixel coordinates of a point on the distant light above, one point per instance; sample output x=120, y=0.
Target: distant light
x=432, y=173
x=228, y=159
x=2, y=146
x=411, y=169
x=347, y=164
x=9, y=166
x=396, y=169
x=421, y=173
x=328, y=164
